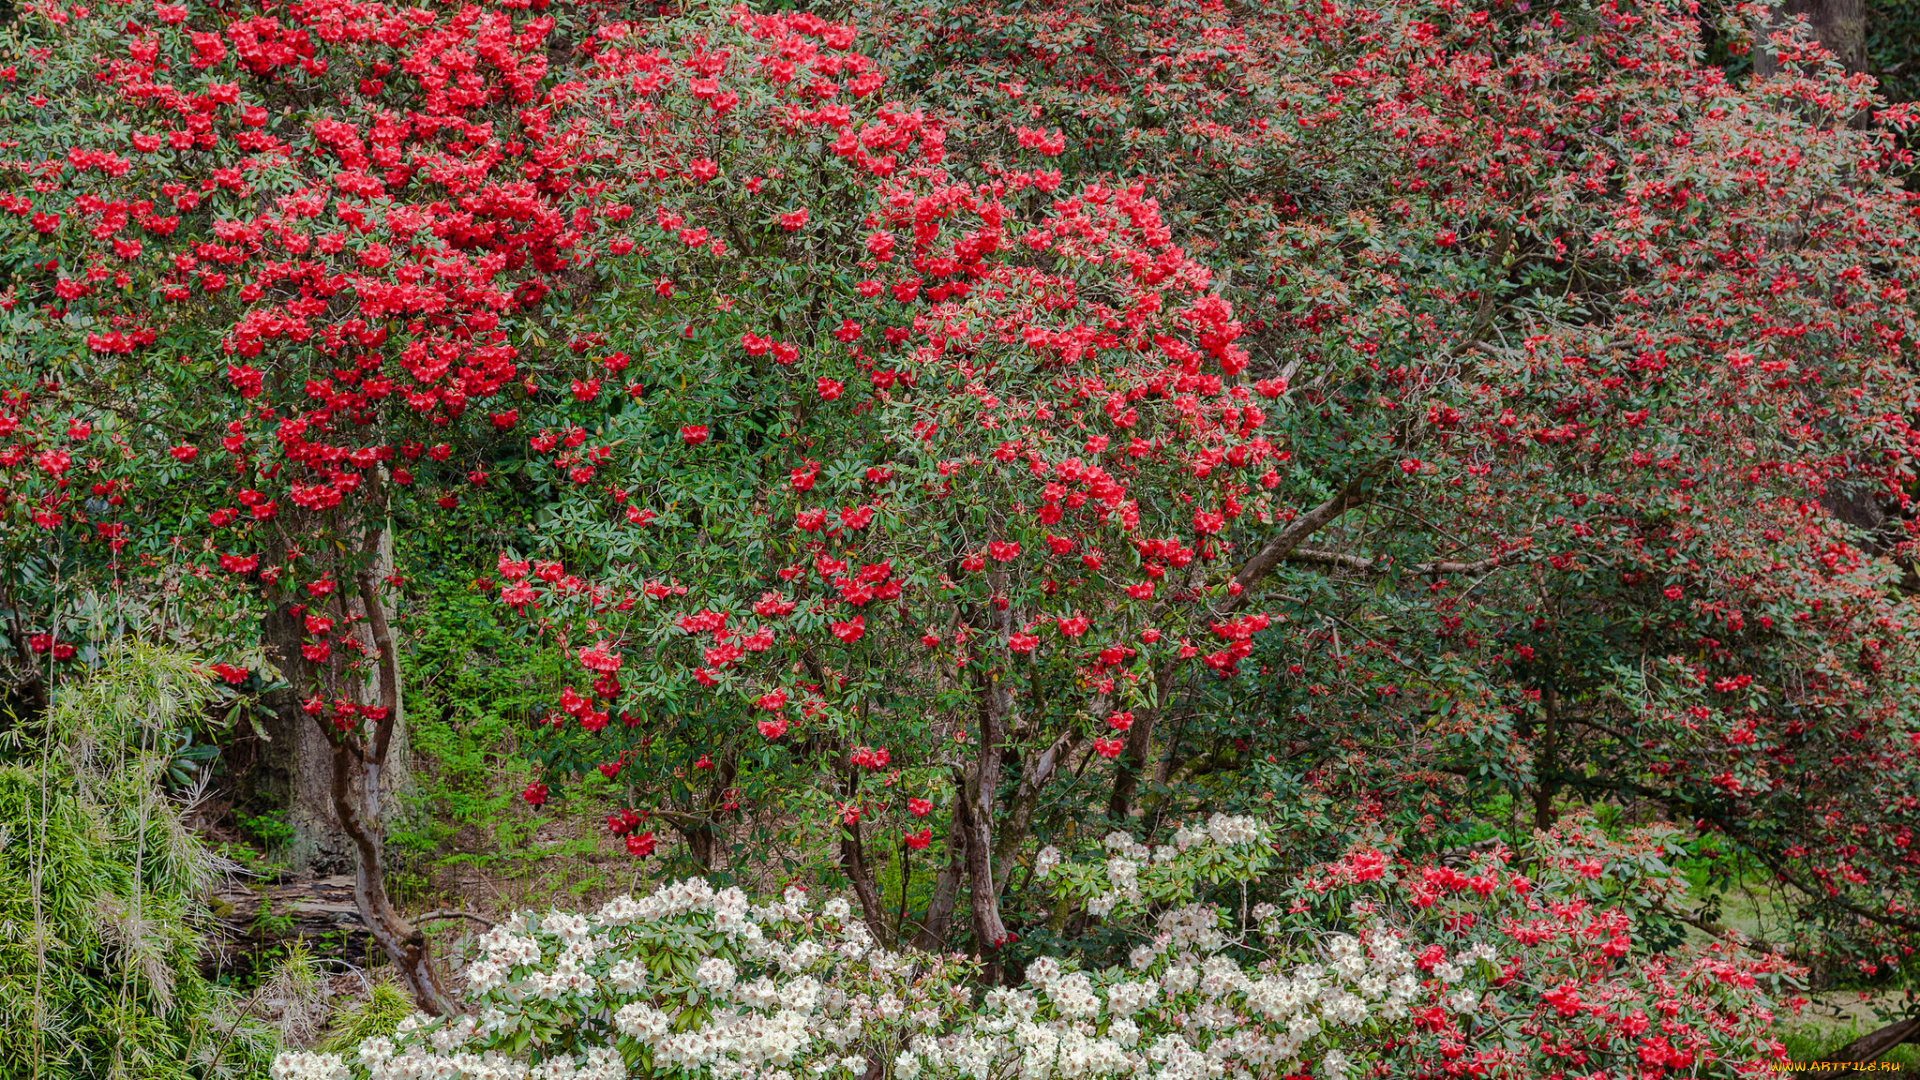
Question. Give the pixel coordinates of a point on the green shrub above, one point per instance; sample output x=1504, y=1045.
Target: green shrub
x=100, y=880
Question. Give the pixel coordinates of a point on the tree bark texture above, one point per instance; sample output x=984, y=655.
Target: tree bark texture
x=1840, y=25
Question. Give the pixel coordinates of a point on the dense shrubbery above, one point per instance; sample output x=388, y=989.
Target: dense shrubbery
x=1368, y=968
x=101, y=890
x=886, y=429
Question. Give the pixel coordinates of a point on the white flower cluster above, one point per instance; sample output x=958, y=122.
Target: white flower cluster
x=694, y=982
x=301, y=1065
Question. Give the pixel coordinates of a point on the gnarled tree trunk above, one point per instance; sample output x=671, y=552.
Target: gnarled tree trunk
x=340, y=757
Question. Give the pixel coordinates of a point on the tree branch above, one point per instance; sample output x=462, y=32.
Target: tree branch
x=1267, y=558
x=1314, y=556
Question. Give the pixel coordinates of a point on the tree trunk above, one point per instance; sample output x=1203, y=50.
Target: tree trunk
x=1878, y=1044
x=974, y=815
x=297, y=763
x=1133, y=759
x=1840, y=25
x=853, y=863
x=932, y=935
x=1033, y=778
x=359, y=721
x=362, y=755
x=356, y=785
x=1546, y=783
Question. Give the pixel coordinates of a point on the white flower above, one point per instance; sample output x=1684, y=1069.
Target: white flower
x=642, y=1021
x=1045, y=862
x=1043, y=971
x=836, y=908
x=566, y=926
x=1072, y=996
x=803, y=956
x=1127, y=998
x=485, y=975
x=905, y=1066
x=628, y=976
x=1231, y=831
x=1180, y=978
x=1101, y=905
x=375, y=1050
x=714, y=973
x=1334, y=1065
x=1343, y=1008
x=795, y=897
x=304, y=1065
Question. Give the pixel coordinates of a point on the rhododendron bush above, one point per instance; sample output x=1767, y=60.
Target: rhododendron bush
x=1609, y=357
x=1544, y=425
x=972, y=431
x=1366, y=968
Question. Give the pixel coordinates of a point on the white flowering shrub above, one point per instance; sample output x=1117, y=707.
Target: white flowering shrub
x=1370, y=969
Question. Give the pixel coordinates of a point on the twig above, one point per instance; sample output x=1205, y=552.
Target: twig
x=439, y=916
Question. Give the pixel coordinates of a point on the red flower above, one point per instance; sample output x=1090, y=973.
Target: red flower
x=535, y=794
x=917, y=841
x=1073, y=625
x=830, y=389
x=640, y=844
x=919, y=807
x=774, y=701
x=773, y=728
x=600, y=657
x=184, y=453
x=1109, y=748
x=693, y=434
x=850, y=630
x=239, y=564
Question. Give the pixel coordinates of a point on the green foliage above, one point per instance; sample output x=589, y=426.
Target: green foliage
x=472, y=690
x=100, y=878
x=379, y=1013
x=1820, y=1042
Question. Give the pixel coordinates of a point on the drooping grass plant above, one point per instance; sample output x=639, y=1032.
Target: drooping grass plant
x=100, y=884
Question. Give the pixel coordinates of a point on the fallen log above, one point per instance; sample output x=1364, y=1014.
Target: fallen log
x=1878, y=1044
x=320, y=912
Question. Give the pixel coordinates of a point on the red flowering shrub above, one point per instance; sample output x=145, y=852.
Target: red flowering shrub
x=1610, y=357
x=1411, y=388
x=998, y=458
x=282, y=262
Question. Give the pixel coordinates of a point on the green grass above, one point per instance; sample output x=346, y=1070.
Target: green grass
x=1819, y=1042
